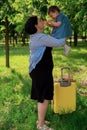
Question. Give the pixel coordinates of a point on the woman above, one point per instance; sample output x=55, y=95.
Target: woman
x=41, y=65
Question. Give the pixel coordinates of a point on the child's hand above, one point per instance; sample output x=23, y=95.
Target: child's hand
x=45, y=23
x=50, y=23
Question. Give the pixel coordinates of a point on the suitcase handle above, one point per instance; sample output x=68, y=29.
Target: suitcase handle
x=62, y=82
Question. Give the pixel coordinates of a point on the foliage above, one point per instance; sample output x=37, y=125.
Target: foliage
x=19, y=10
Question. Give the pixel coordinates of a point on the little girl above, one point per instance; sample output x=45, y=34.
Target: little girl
x=61, y=25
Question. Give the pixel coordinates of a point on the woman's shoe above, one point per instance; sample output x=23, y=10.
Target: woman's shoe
x=46, y=122
x=44, y=127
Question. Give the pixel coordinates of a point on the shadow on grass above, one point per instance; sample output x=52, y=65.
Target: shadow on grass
x=22, y=111
x=26, y=88
x=21, y=108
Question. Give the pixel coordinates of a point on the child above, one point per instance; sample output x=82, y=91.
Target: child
x=61, y=25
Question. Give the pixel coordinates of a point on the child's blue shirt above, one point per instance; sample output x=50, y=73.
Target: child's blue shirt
x=64, y=30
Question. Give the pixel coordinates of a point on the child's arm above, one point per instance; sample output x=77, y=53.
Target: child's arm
x=53, y=23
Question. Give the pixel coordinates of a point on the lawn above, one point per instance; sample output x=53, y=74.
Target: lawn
x=18, y=111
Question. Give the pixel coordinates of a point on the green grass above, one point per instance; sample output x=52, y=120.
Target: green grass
x=18, y=111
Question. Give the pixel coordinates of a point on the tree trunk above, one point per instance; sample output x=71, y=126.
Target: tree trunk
x=7, y=41
x=75, y=37
x=85, y=37
x=13, y=42
x=23, y=39
x=16, y=38
x=70, y=41
x=10, y=40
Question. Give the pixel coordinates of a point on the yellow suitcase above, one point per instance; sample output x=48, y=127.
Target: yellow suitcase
x=64, y=100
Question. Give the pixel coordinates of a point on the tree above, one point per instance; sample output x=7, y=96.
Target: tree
x=13, y=34
x=5, y=14
x=12, y=12
x=24, y=10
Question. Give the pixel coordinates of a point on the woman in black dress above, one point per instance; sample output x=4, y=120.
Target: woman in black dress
x=41, y=66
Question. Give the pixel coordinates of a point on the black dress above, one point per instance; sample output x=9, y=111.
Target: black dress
x=42, y=79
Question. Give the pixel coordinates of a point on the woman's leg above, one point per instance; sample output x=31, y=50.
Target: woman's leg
x=42, y=109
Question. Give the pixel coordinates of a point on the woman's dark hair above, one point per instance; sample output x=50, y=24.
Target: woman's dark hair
x=53, y=9
x=30, y=25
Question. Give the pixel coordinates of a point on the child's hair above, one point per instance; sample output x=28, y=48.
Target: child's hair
x=30, y=25
x=53, y=9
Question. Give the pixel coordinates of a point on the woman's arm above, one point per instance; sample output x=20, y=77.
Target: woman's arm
x=51, y=41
